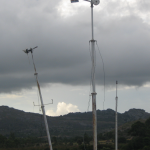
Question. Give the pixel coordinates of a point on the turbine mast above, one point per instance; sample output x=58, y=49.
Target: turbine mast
x=93, y=84
x=41, y=99
x=116, y=121
x=93, y=2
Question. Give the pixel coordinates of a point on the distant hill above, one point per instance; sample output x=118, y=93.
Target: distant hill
x=73, y=124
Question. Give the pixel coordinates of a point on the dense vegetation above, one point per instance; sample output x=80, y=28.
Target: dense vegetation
x=25, y=124
x=135, y=138
x=59, y=143
x=25, y=131
x=140, y=133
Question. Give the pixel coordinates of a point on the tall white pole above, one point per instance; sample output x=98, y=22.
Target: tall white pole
x=116, y=122
x=93, y=55
x=93, y=84
x=42, y=106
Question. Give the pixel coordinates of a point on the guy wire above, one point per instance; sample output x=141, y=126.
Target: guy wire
x=93, y=67
x=89, y=94
x=103, y=71
x=87, y=114
x=90, y=50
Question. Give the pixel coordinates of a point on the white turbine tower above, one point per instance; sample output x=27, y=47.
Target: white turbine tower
x=93, y=2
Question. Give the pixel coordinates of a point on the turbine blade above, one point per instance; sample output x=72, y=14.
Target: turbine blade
x=24, y=51
x=35, y=47
x=87, y=0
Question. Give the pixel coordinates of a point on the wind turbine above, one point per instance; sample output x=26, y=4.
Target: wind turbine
x=93, y=2
x=42, y=104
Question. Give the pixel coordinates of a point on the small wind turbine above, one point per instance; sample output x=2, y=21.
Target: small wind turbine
x=42, y=105
x=93, y=2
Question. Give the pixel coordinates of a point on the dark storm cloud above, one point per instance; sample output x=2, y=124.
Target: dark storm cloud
x=125, y=49
x=63, y=52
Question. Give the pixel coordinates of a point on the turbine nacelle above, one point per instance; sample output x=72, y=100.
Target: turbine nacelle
x=30, y=50
x=26, y=51
x=95, y=2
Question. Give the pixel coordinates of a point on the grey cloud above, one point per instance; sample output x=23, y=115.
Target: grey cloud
x=63, y=52
x=143, y=5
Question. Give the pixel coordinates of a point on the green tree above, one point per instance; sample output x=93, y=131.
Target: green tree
x=86, y=139
x=65, y=140
x=146, y=141
x=137, y=129
x=12, y=136
x=106, y=148
x=135, y=144
x=2, y=140
x=122, y=140
x=147, y=124
x=100, y=136
x=54, y=140
x=146, y=148
x=79, y=141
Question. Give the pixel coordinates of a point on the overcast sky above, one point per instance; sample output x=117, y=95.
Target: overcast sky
x=62, y=31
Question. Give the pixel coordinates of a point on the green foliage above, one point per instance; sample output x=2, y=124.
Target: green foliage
x=13, y=142
x=79, y=141
x=25, y=124
x=146, y=148
x=100, y=136
x=146, y=141
x=140, y=133
x=2, y=140
x=122, y=140
x=106, y=148
x=54, y=140
x=147, y=122
x=136, y=143
x=106, y=136
x=137, y=129
x=141, y=136
x=87, y=139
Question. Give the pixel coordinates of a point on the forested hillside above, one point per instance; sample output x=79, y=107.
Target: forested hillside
x=25, y=124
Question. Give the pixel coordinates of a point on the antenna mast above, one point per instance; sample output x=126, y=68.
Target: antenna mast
x=116, y=122
x=42, y=105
